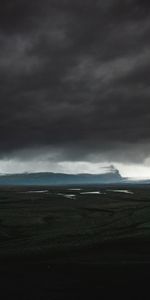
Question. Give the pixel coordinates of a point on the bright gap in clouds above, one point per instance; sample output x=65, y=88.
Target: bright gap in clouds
x=133, y=170
x=126, y=170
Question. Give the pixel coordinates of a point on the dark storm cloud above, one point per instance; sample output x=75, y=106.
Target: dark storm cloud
x=74, y=75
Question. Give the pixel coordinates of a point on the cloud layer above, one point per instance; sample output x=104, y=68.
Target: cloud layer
x=74, y=78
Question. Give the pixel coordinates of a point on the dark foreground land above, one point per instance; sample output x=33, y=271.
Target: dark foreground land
x=58, y=243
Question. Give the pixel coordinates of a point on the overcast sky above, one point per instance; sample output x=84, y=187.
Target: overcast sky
x=75, y=85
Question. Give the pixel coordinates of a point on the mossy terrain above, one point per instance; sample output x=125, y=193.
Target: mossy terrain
x=60, y=246
x=45, y=222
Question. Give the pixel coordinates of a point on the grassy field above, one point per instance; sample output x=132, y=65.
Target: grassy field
x=103, y=234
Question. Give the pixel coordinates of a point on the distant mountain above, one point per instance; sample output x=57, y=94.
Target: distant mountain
x=136, y=181
x=57, y=179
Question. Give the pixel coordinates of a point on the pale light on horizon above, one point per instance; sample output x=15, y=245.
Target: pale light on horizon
x=126, y=170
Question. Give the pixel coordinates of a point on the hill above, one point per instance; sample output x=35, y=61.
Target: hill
x=57, y=179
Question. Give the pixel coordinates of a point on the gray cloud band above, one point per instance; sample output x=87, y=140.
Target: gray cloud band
x=74, y=75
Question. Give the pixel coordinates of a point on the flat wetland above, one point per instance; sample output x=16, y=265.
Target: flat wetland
x=60, y=242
